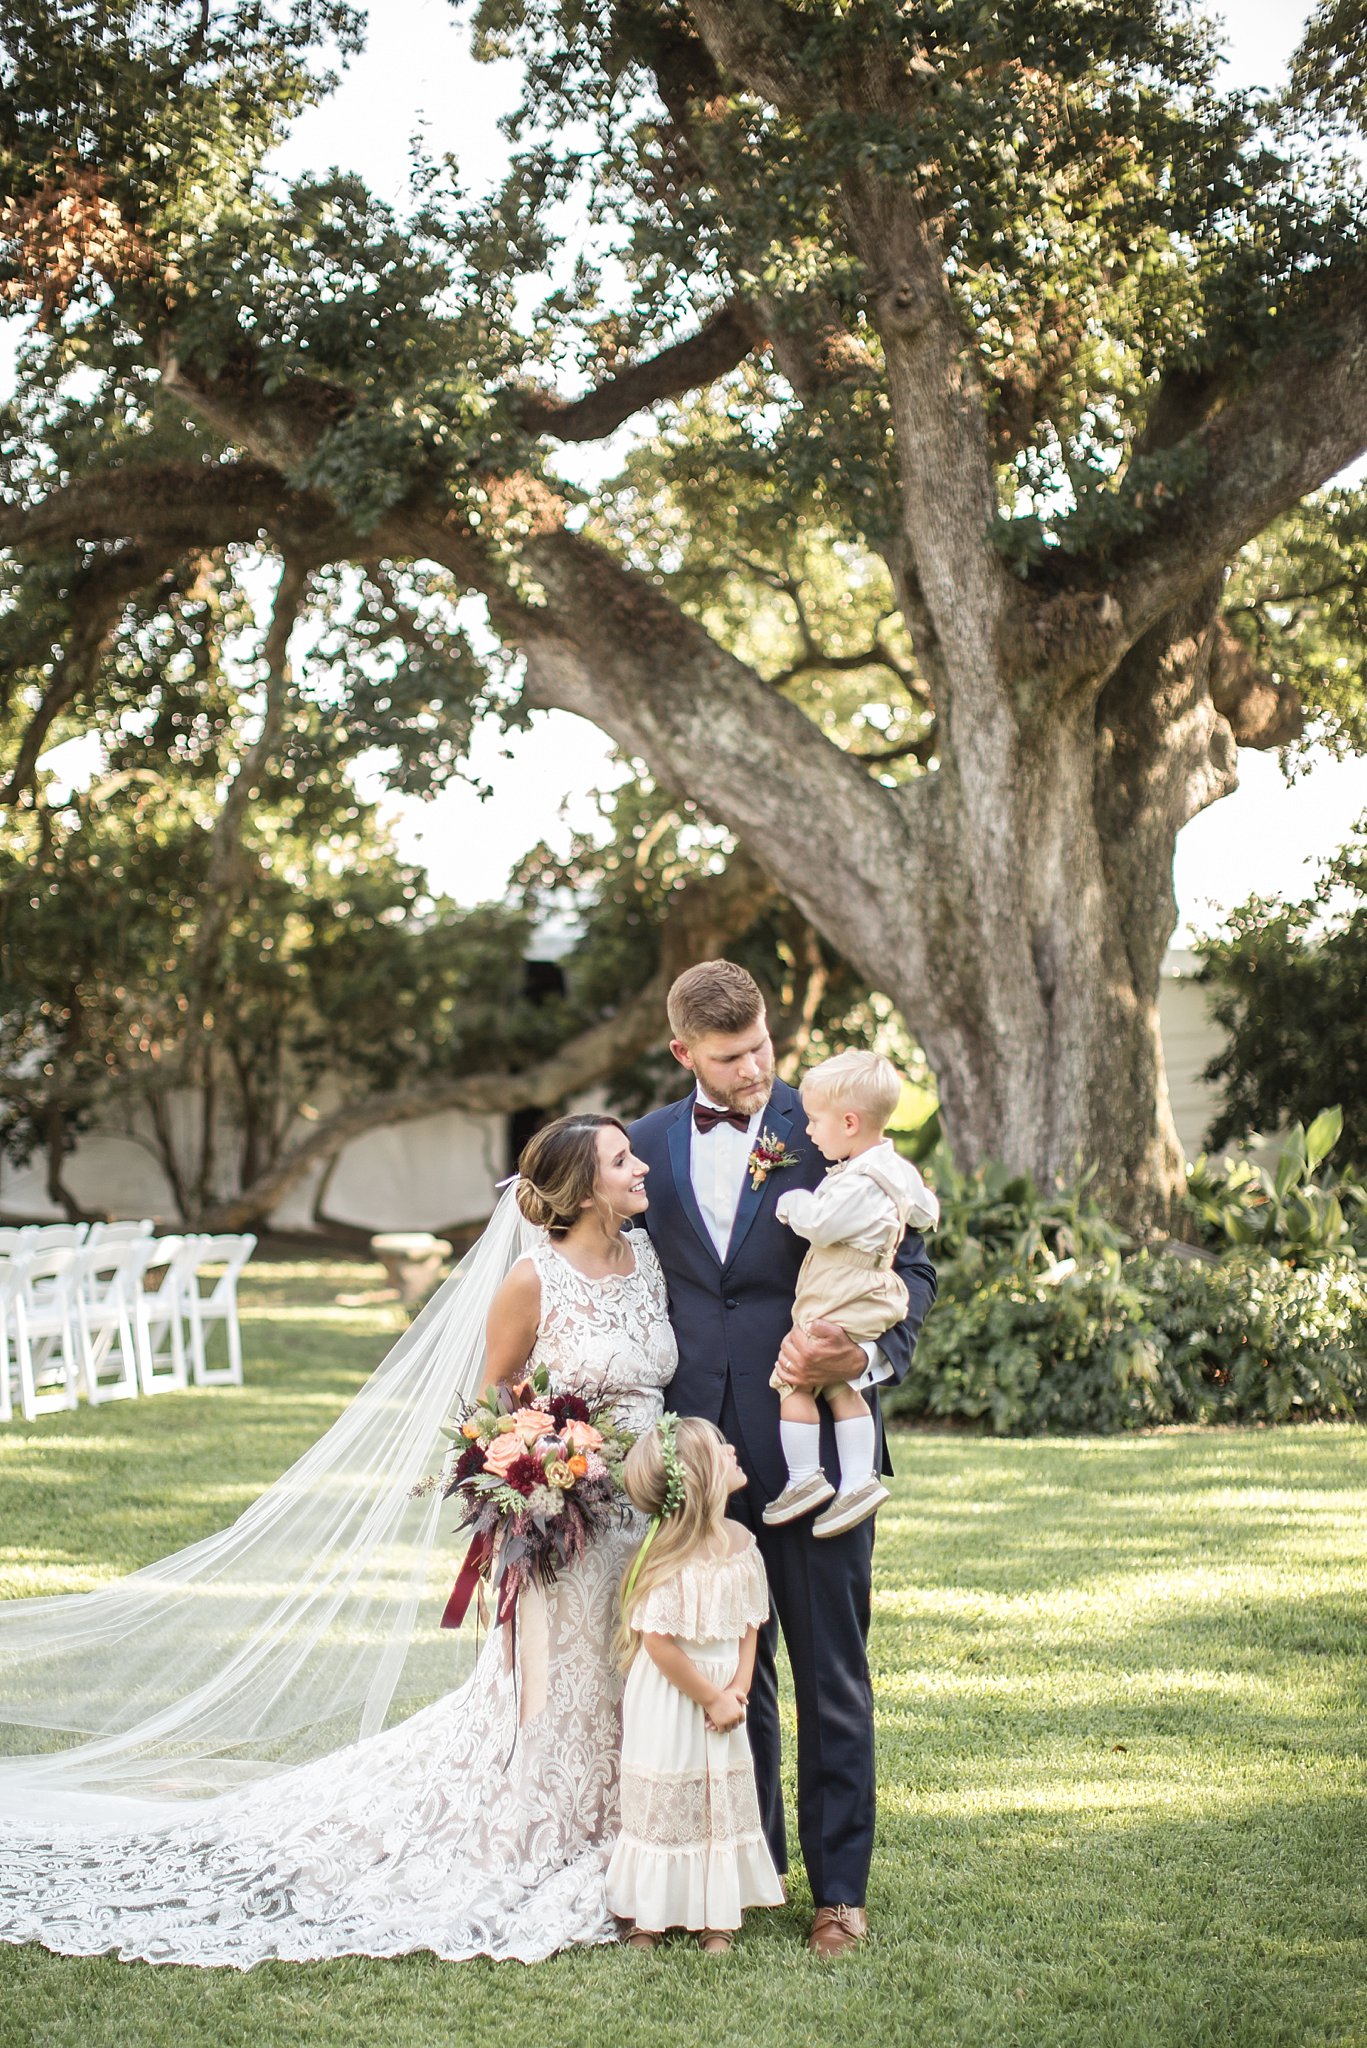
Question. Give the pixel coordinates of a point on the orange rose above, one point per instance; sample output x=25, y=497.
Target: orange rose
x=583, y=1436
x=579, y=1466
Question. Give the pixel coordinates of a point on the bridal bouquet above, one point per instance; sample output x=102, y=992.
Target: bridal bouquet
x=538, y=1477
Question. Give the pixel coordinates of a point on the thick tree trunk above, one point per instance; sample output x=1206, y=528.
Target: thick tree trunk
x=1040, y=1018
x=1015, y=903
x=1048, y=849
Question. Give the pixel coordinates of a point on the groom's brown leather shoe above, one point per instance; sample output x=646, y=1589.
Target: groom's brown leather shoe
x=837, y=1929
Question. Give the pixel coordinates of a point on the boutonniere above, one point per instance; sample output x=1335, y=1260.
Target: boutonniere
x=770, y=1155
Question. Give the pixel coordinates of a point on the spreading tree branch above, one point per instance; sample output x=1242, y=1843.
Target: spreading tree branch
x=230, y=866
x=197, y=505
x=99, y=593
x=722, y=342
x=1296, y=427
x=608, y=644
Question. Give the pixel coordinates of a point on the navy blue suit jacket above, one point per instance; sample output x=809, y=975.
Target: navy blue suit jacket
x=731, y=1315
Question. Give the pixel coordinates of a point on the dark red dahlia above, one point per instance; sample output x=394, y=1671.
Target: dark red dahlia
x=470, y=1461
x=525, y=1474
x=569, y=1408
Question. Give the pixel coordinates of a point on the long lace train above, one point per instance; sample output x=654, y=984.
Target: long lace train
x=457, y=1830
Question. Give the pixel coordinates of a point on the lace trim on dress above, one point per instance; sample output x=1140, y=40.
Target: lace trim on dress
x=718, y=1810
x=714, y=1600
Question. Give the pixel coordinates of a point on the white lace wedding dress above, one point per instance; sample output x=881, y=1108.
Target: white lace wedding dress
x=457, y=1830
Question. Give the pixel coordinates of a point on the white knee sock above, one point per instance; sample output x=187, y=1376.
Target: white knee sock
x=801, y=1443
x=856, y=1442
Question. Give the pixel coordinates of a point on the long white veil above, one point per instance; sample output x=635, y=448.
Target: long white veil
x=308, y=1623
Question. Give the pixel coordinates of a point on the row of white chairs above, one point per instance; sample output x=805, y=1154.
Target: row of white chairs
x=52, y=1237
x=116, y=1316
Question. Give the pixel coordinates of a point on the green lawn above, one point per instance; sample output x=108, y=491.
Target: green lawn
x=1121, y=1725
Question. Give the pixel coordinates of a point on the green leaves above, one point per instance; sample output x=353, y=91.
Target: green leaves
x=1297, y=600
x=1293, y=1212
x=1322, y=1136
x=1117, y=1343
x=1289, y=987
x=140, y=953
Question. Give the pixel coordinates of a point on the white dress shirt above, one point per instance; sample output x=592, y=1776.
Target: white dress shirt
x=716, y=1166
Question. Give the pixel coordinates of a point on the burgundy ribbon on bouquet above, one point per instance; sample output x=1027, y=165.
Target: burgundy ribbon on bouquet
x=522, y=1608
x=476, y=1565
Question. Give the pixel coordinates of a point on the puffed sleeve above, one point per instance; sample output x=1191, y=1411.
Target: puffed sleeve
x=712, y=1600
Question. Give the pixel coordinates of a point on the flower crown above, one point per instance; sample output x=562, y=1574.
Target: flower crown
x=675, y=1485
x=674, y=1496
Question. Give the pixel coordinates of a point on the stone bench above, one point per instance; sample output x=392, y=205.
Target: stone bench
x=411, y=1259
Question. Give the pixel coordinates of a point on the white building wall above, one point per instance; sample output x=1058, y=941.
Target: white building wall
x=1191, y=1040
x=419, y=1175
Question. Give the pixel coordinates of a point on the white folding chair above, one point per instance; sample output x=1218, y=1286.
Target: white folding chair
x=159, y=1313
x=12, y=1238
x=54, y=1237
x=106, y=1275
x=44, y=1308
x=120, y=1233
x=11, y=1281
x=218, y=1305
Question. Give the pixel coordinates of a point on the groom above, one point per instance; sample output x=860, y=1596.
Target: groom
x=719, y=1160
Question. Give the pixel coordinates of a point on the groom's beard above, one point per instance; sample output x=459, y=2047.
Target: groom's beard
x=747, y=1096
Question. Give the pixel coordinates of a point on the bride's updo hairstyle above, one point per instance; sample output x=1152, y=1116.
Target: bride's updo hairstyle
x=700, y=1450
x=559, y=1171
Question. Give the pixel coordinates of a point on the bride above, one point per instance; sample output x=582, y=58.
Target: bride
x=243, y=1790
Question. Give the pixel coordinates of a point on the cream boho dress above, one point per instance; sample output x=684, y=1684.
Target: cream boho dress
x=691, y=1852
x=464, y=1829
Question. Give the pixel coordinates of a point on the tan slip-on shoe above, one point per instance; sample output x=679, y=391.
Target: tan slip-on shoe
x=799, y=1497
x=838, y=1929
x=848, y=1510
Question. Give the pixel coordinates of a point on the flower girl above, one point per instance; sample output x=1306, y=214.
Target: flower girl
x=691, y=1852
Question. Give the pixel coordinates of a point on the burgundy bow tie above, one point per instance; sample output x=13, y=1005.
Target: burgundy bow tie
x=705, y=1118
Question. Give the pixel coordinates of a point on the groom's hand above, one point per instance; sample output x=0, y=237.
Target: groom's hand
x=814, y=1357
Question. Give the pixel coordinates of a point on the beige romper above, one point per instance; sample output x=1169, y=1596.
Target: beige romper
x=858, y=1290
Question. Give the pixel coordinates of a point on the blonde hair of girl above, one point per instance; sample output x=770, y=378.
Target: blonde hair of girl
x=700, y=1452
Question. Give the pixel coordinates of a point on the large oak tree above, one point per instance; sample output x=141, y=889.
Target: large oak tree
x=1009, y=307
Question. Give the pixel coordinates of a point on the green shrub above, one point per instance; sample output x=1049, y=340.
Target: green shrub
x=1255, y=1340
x=1049, y=1319
x=1114, y=1343
x=1302, y=1210
x=993, y=1211
x=1022, y=1349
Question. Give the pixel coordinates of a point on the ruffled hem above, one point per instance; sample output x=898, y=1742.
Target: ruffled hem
x=709, y=1886
x=712, y=1601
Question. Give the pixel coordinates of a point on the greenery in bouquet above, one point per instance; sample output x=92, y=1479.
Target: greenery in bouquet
x=538, y=1478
